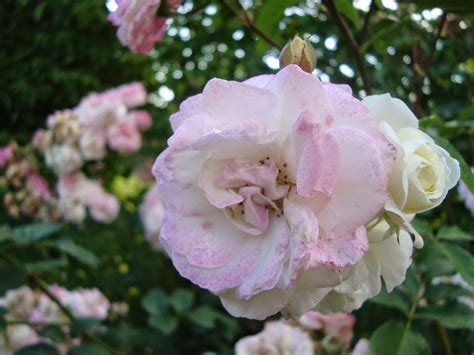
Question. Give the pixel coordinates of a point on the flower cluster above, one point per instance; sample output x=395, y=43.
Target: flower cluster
x=312, y=334
x=73, y=138
x=283, y=193
x=82, y=134
x=139, y=26
x=36, y=310
x=28, y=193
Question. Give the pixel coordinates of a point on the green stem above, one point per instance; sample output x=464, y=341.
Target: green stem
x=347, y=34
x=245, y=19
x=448, y=350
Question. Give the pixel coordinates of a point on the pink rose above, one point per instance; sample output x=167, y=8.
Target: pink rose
x=88, y=303
x=5, y=154
x=139, y=26
x=124, y=137
x=362, y=348
x=103, y=206
x=151, y=215
x=142, y=119
x=338, y=326
x=266, y=187
x=133, y=94
x=92, y=144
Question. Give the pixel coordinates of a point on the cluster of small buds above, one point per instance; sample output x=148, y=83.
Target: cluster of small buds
x=27, y=192
x=29, y=311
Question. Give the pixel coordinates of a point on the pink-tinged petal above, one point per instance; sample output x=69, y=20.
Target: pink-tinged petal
x=233, y=102
x=224, y=278
x=256, y=215
x=312, y=159
x=207, y=241
x=259, y=81
x=361, y=187
x=261, y=306
x=342, y=251
x=311, y=287
x=304, y=232
x=269, y=268
x=217, y=195
x=391, y=110
x=246, y=140
x=189, y=107
x=347, y=111
x=299, y=91
x=185, y=201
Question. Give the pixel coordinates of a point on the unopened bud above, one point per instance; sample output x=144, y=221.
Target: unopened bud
x=300, y=52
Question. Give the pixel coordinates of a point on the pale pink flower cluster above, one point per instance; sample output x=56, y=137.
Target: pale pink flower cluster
x=76, y=193
x=332, y=334
x=139, y=26
x=151, y=214
x=36, y=308
x=457, y=279
x=283, y=193
x=74, y=137
x=466, y=195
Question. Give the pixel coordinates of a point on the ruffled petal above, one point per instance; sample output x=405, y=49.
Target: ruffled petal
x=391, y=110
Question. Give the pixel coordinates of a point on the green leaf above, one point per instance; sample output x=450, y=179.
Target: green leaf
x=155, y=302
x=81, y=254
x=88, y=349
x=384, y=32
x=452, y=315
x=346, y=7
x=466, y=174
x=11, y=278
x=432, y=262
x=164, y=323
x=394, y=299
x=34, y=232
x=82, y=325
x=53, y=332
x=270, y=14
x=6, y=234
x=392, y=338
x=458, y=6
x=443, y=292
x=181, y=300
x=38, y=349
x=453, y=233
x=422, y=226
x=461, y=259
x=203, y=316
x=46, y=265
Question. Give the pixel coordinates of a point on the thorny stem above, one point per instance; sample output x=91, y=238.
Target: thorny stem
x=245, y=18
x=411, y=314
x=332, y=9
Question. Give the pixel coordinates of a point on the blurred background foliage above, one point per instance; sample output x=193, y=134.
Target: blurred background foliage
x=55, y=52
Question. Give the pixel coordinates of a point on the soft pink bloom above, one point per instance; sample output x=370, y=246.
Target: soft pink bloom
x=17, y=336
x=18, y=303
x=38, y=186
x=139, y=26
x=265, y=185
x=338, y=326
x=277, y=338
x=63, y=158
x=88, y=303
x=76, y=192
x=124, y=137
x=151, y=215
x=142, y=119
x=92, y=143
x=100, y=110
x=133, y=94
x=5, y=154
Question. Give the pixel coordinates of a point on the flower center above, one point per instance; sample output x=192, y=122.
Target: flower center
x=262, y=187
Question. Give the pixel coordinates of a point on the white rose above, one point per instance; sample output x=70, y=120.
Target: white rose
x=423, y=172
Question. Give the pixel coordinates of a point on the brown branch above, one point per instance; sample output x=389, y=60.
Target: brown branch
x=368, y=15
x=347, y=34
x=246, y=20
